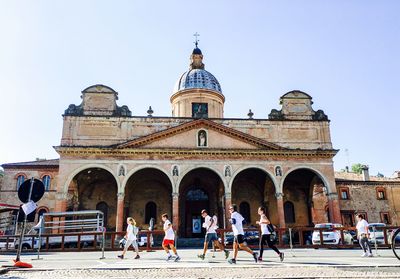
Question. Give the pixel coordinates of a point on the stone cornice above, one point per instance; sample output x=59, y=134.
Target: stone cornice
x=249, y=154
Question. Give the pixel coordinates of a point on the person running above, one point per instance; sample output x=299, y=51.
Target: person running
x=210, y=224
x=130, y=237
x=169, y=238
x=362, y=233
x=266, y=234
x=237, y=221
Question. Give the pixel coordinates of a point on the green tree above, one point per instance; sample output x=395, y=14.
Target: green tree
x=357, y=168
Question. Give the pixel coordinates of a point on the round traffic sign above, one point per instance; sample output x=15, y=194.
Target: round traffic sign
x=37, y=190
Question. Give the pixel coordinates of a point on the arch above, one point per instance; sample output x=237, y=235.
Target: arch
x=185, y=172
x=89, y=166
x=199, y=188
x=290, y=214
x=141, y=167
x=317, y=172
x=238, y=171
x=150, y=211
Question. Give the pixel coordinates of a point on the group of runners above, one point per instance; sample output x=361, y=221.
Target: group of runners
x=211, y=225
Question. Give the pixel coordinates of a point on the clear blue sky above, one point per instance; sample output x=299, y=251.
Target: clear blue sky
x=345, y=54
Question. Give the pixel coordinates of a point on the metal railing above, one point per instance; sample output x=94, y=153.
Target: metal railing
x=293, y=237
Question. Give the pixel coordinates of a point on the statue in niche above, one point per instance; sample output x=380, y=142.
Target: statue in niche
x=175, y=171
x=227, y=171
x=121, y=171
x=278, y=171
x=202, y=138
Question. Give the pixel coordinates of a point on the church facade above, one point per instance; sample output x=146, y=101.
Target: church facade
x=143, y=166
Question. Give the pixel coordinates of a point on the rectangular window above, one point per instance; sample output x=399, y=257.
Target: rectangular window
x=344, y=193
x=385, y=217
x=199, y=110
x=380, y=193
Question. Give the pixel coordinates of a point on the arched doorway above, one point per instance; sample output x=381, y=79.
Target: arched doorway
x=304, y=198
x=252, y=188
x=94, y=187
x=148, y=194
x=199, y=189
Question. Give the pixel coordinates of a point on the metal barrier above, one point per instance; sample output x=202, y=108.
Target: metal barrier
x=293, y=237
x=90, y=222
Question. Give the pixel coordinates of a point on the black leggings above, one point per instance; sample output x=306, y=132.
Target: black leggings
x=265, y=239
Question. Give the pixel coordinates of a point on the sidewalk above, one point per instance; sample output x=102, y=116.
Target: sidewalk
x=299, y=263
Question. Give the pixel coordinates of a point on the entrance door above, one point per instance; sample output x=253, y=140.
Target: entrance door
x=196, y=200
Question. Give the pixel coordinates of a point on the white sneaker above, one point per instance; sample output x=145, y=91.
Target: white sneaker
x=370, y=255
x=364, y=255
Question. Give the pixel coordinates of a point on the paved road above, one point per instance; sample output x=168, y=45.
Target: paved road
x=305, y=263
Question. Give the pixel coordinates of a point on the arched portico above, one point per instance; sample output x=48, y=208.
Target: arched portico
x=309, y=193
x=252, y=187
x=94, y=188
x=147, y=194
x=199, y=188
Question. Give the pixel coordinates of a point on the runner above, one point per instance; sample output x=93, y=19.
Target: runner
x=266, y=234
x=130, y=236
x=169, y=238
x=211, y=225
x=238, y=233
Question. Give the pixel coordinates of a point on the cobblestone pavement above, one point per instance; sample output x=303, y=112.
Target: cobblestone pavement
x=215, y=272
x=301, y=263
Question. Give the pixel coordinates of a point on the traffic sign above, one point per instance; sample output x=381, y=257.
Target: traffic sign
x=37, y=190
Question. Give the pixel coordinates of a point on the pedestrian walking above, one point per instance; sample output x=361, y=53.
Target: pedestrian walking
x=211, y=226
x=131, y=238
x=362, y=235
x=169, y=238
x=266, y=234
x=237, y=221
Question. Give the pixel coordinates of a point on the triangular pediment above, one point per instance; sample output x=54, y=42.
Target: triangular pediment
x=201, y=133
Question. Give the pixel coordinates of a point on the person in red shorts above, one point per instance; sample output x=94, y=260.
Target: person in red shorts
x=169, y=238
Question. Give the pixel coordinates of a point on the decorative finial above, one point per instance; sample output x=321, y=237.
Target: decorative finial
x=150, y=112
x=250, y=114
x=197, y=40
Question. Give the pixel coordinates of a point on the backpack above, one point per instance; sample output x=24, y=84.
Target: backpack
x=273, y=235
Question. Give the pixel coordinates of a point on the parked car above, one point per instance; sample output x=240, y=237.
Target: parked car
x=376, y=233
x=251, y=238
x=3, y=242
x=330, y=234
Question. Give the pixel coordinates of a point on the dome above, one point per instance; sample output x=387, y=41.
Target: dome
x=197, y=78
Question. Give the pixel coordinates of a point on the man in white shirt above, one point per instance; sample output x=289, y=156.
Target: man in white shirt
x=169, y=238
x=210, y=224
x=237, y=221
x=362, y=234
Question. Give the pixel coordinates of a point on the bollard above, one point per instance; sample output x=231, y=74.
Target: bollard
x=375, y=244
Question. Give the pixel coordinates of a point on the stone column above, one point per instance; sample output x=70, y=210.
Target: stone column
x=228, y=203
x=61, y=206
x=281, y=211
x=61, y=202
x=334, y=209
x=175, y=211
x=120, y=212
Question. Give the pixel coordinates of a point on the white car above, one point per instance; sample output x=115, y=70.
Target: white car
x=376, y=233
x=330, y=235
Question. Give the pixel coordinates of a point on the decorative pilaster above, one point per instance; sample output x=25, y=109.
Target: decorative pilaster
x=120, y=212
x=281, y=211
x=228, y=203
x=175, y=211
x=334, y=209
